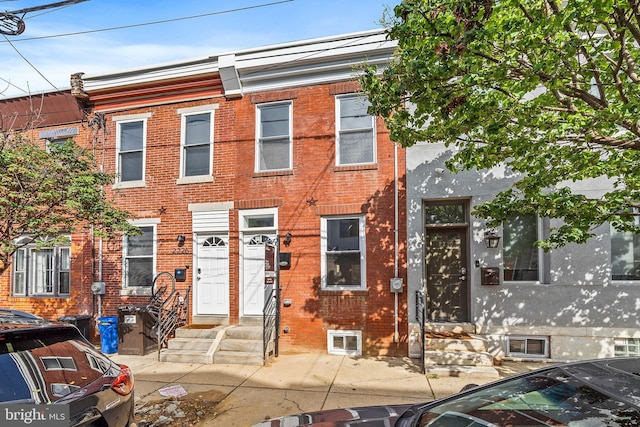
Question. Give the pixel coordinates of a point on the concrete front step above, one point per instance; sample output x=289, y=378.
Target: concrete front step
x=185, y=356
x=475, y=344
x=199, y=344
x=199, y=331
x=247, y=346
x=485, y=372
x=244, y=333
x=454, y=327
x=457, y=358
x=237, y=358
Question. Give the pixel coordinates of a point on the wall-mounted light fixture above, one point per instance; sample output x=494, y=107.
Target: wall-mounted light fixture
x=491, y=238
x=287, y=239
x=181, y=238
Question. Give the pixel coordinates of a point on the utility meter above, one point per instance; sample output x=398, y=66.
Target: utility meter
x=98, y=288
x=396, y=284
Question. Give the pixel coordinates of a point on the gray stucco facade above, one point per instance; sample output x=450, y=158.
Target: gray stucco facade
x=575, y=306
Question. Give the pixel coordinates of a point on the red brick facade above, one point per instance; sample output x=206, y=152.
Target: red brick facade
x=312, y=189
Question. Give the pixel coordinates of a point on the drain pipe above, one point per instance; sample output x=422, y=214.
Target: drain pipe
x=396, y=261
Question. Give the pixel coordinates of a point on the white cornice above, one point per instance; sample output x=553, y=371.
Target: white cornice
x=289, y=64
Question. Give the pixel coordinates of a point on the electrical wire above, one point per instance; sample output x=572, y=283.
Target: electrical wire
x=31, y=65
x=143, y=24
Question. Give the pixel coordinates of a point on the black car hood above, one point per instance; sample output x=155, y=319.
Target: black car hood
x=361, y=417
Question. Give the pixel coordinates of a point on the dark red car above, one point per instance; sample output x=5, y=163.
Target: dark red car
x=51, y=365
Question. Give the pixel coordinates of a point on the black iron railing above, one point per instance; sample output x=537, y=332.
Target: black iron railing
x=271, y=323
x=421, y=319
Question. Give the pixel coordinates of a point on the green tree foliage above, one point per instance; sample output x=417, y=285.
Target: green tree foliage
x=549, y=88
x=46, y=193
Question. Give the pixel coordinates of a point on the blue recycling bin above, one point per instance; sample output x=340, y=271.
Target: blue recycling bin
x=108, y=327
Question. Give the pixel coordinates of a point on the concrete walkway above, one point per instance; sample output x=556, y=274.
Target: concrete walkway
x=294, y=383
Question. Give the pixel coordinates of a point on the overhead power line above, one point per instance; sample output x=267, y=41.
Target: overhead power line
x=164, y=21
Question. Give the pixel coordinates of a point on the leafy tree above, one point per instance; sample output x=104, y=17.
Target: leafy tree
x=46, y=193
x=548, y=87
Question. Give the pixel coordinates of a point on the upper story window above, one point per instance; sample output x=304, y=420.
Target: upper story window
x=356, y=136
x=522, y=258
x=274, y=142
x=131, y=135
x=139, y=259
x=625, y=254
x=42, y=271
x=343, y=252
x=58, y=136
x=197, y=141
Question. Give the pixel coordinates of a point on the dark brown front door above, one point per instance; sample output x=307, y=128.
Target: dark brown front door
x=447, y=270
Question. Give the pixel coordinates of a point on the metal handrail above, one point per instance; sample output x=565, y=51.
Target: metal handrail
x=271, y=322
x=421, y=319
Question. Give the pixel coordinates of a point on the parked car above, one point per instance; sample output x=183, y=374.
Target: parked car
x=593, y=393
x=52, y=363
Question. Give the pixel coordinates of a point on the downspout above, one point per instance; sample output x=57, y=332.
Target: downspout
x=396, y=335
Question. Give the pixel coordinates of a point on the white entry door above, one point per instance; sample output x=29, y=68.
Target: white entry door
x=253, y=273
x=212, y=276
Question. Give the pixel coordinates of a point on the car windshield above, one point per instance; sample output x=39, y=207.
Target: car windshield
x=585, y=396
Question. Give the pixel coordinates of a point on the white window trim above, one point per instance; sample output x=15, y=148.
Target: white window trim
x=29, y=285
x=184, y=113
x=248, y=213
x=626, y=343
x=541, y=233
x=528, y=355
x=337, y=129
x=344, y=333
x=259, y=135
x=363, y=252
x=131, y=118
x=147, y=222
x=622, y=281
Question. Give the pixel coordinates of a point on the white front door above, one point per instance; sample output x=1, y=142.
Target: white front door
x=212, y=276
x=253, y=273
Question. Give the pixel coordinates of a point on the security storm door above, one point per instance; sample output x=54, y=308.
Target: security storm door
x=253, y=273
x=446, y=268
x=212, y=276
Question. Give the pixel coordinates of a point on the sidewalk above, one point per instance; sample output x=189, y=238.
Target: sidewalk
x=294, y=383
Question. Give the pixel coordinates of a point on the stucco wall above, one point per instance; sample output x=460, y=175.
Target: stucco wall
x=578, y=307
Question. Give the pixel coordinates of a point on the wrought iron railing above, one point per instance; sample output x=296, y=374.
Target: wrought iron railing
x=271, y=323
x=168, y=307
x=421, y=319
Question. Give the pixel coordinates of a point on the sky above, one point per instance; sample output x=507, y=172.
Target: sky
x=101, y=36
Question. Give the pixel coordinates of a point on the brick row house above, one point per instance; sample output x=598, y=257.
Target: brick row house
x=216, y=158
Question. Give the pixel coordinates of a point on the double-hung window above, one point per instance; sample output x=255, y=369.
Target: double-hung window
x=42, y=271
x=197, y=141
x=625, y=254
x=522, y=258
x=131, y=134
x=343, y=252
x=274, y=144
x=356, y=136
x=139, y=258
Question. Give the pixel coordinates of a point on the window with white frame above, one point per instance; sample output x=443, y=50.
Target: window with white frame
x=197, y=141
x=344, y=342
x=521, y=257
x=625, y=254
x=356, y=136
x=624, y=347
x=130, y=145
x=274, y=142
x=139, y=258
x=58, y=137
x=42, y=271
x=343, y=252
x=528, y=346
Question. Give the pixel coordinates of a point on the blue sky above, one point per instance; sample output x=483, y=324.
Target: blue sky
x=222, y=25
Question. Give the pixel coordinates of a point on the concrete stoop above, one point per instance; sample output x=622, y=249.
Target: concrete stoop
x=222, y=344
x=456, y=356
